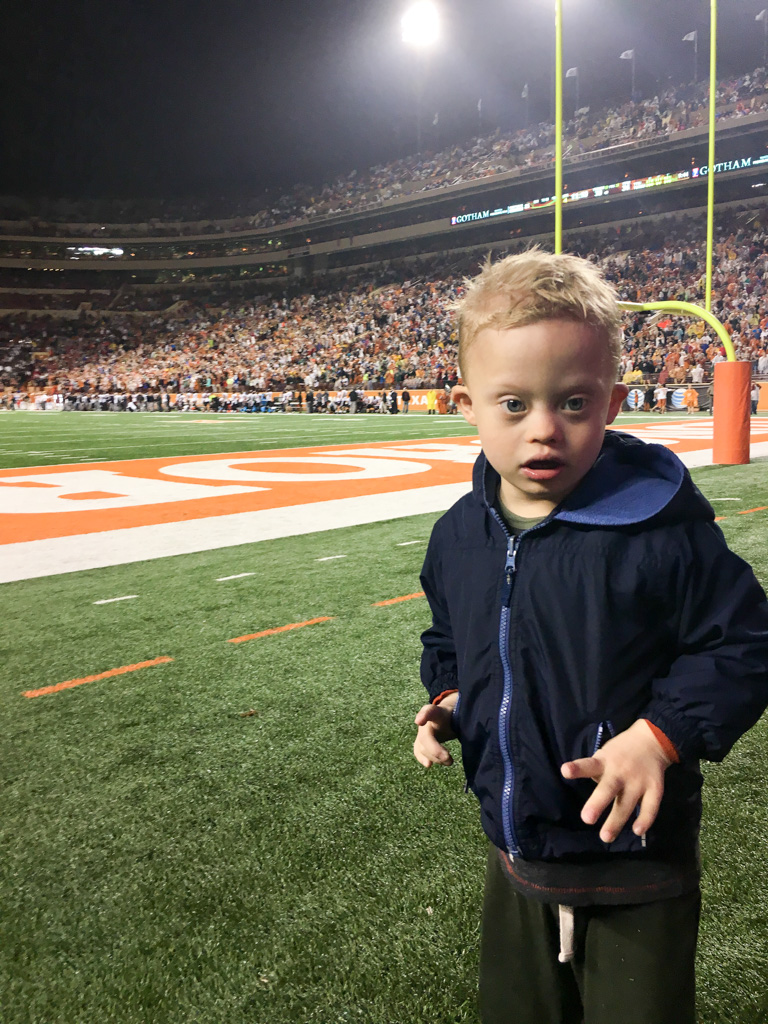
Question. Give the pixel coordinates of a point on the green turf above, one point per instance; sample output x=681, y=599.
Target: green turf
x=166, y=857
x=48, y=439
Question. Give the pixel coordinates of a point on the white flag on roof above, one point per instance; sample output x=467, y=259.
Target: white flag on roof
x=627, y=55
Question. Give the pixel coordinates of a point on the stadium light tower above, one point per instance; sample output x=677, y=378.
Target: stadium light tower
x=420, y=30
x=420, y=25
x=763, y=16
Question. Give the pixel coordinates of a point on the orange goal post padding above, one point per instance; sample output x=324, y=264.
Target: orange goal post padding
x=733, y=383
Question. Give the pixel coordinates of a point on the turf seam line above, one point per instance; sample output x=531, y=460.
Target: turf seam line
x=397, y=600
x=280, y=629
x=70, y=683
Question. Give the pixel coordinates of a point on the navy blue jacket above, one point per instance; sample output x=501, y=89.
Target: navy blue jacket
x=625, y=603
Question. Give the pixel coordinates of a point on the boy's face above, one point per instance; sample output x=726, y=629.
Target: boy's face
x=540, y=397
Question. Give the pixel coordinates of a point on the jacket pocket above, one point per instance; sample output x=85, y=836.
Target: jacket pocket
x=604, y=732
x=626, y=840
x=455, y=717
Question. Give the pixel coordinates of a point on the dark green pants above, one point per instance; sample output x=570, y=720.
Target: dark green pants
x=632, y=965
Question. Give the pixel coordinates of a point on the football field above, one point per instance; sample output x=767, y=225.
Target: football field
x=210, y=644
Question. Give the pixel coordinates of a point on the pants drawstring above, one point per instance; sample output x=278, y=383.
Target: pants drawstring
x=566, y=934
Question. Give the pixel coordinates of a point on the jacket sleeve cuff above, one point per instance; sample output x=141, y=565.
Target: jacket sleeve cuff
x=680, y=731
x=445, y=693
x=664, y=742
x=442, y=684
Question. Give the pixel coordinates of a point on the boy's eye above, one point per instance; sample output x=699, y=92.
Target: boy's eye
x=514, y=405
x=575, y=404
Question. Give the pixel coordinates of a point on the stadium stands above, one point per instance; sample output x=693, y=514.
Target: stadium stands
x=237, y=327
x=675, y=109
x=385, y=328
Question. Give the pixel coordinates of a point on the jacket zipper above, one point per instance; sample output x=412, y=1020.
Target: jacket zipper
x=507, y=793
x=506, y=701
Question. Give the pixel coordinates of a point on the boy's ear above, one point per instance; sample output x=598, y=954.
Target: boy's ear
x=461, y=396
x=619, y=393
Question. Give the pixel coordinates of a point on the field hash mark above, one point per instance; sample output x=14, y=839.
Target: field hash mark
x=70, y=683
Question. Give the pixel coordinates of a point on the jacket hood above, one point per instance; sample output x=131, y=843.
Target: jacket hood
x=630, y=482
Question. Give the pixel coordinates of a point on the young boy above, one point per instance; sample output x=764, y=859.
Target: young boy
x=592, y=638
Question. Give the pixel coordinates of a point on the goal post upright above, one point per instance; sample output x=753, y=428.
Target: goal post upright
x=731, y=383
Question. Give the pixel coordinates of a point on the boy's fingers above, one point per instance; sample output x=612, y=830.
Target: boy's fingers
x=623, y=807
x=649, y=808
x=429, y=753
x=427, y=749
x=605, y=792
x=433, y=748
x=426, y=714
x=629, y=801
x=583, y=768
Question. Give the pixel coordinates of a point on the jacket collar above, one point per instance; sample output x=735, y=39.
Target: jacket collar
x=630, y=482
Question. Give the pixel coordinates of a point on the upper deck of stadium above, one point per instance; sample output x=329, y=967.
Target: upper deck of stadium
x=617, y=162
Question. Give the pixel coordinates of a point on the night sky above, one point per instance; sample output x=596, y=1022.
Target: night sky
x=229, y=97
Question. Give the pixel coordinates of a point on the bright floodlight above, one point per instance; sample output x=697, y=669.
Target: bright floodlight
x=420, y=24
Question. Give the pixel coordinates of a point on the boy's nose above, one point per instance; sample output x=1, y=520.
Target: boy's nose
x=544, y=427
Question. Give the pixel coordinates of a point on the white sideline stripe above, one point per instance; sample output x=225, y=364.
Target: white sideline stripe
x=32, y=559
x=693, y=460
x=111, y=600
x=238, y=576
x=710, y=500
x=405, y=543
x=35, y=558
x=329, y=558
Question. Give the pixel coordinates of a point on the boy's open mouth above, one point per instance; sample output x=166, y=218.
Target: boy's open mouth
x=542, y=469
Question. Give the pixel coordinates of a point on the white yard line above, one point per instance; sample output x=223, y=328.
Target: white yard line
x=111, y=600
x=330, y=558
x=238, y=576
x=405, y=543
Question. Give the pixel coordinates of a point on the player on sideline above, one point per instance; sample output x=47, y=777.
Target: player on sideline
x=592, y=638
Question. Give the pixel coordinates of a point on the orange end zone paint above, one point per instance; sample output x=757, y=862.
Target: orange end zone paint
x=396, y=600
x=760, y=508
x=279, y=629
x=92, y=679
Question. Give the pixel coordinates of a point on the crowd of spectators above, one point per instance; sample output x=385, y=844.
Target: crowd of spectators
x=674, y=109
x=392, y=327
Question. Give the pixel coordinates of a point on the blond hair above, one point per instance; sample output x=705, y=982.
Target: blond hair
x=536, y=285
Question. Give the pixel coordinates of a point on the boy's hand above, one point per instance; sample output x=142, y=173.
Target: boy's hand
x=434, y=722
x=629, y=770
